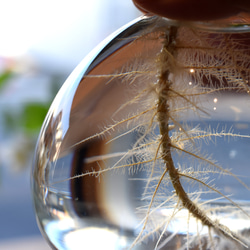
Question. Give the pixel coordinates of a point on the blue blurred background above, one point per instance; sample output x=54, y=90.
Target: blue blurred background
x=40, y=44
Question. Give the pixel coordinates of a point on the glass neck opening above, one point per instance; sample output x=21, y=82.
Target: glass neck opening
x=238, y=23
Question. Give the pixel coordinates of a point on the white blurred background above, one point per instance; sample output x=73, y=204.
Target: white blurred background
x=41, y=42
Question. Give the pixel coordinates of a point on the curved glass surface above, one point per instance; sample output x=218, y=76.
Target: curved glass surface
x=100, y=178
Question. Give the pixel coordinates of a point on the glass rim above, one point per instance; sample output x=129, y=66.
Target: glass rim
x=238, y=23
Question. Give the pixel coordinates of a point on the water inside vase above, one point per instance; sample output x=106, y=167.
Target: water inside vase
x=99, y=178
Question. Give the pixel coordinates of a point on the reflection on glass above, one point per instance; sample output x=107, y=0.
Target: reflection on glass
x=147, y=144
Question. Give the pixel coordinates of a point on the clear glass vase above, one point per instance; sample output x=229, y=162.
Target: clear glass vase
x=147, y=144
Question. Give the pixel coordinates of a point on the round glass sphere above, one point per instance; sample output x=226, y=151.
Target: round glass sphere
x=146, y=146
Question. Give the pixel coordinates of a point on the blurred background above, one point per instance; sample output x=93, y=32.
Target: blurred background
x=41, y=42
